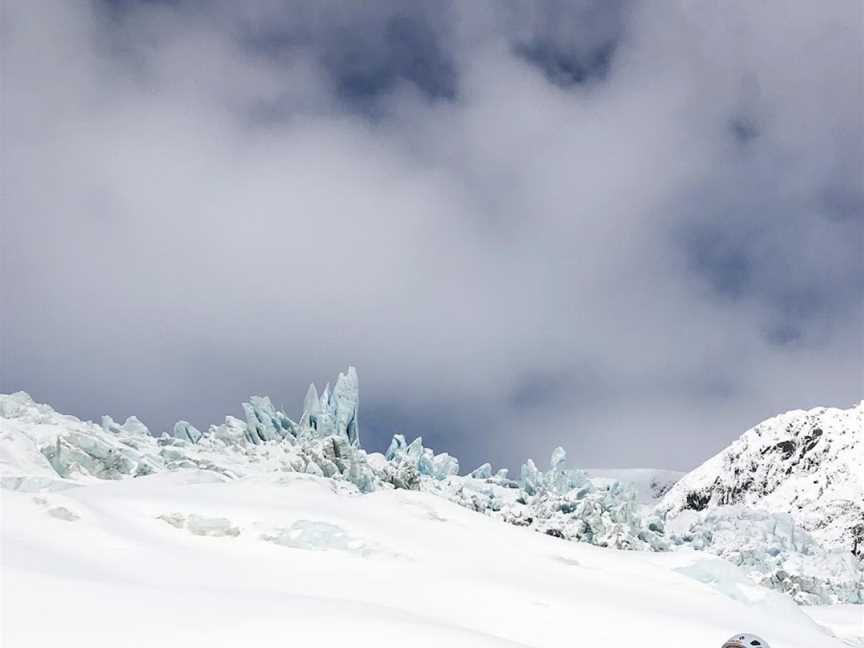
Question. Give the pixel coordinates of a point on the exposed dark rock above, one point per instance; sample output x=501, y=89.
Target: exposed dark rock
x=698, y=501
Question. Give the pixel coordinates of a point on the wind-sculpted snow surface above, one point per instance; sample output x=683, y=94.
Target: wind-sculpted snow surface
x=809, y=464
x=194, y=559
x=42, y=450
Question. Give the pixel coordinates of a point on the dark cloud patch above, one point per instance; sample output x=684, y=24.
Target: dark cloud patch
x=784, y=333
x=722, y=257
x=547, y=388
x=780, y=262
x=410, y=52
x=761, y=235
x=120, y=7
x=566, y=69
x=571, y=43
x=539, y=389
x=845, y=202
x=743, y=129
x=365, y=54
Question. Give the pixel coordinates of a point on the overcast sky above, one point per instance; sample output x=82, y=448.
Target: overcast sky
x=631, y=228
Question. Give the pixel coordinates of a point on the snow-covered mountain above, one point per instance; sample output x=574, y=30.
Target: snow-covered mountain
x=807, y=464
x=45, y=452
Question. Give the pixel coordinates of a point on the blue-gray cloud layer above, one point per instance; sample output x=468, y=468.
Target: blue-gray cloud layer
x=632, y=228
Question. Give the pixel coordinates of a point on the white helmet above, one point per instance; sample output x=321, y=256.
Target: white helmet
x=745, y=641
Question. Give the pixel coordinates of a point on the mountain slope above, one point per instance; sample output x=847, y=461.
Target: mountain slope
x=809, y=464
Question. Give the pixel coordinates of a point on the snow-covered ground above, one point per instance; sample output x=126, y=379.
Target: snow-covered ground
x=193, y=558
x=266, y=530
x=845, y=621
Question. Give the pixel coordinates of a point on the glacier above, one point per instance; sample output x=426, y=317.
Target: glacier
x=197, y=559
x=42, y=450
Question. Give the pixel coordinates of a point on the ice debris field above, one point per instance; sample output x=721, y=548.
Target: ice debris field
x=268, y=531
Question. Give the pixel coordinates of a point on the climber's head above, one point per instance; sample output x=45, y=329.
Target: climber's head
x=745, y=641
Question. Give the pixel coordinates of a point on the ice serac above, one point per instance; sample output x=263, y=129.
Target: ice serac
x=483, y=471
x=564, y=503
x=530, y=478
x=397, y=447
x=186, y=431
x=232, y=432
x=44, y=449
x=264, y=422
x=804, y=463
x=345, y=403
x=559, y=456
x=423, y=460
x=333, y=413
x=443, y=466
x=775, y=552
x=131, y=426
x=311, y=417
x=70, y=449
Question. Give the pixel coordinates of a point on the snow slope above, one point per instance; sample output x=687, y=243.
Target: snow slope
x=844, y=621
x=194, y=558
x=809, y=464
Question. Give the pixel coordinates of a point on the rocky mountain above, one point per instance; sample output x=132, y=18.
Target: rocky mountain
x=808, y=464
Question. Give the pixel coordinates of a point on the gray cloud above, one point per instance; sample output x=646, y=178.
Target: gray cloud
x=631, y=228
